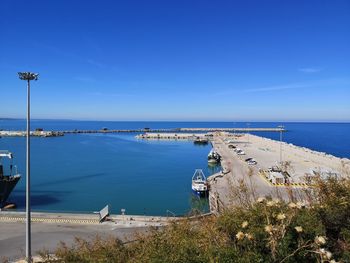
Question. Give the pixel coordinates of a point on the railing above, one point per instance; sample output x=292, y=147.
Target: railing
x=170, y=212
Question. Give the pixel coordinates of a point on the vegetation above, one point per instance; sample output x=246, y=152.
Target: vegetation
x=266, y=230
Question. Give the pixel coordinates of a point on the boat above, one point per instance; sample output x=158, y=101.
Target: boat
x=8, y=178
x=199, y=183
x=201, y=141
x=213, y=157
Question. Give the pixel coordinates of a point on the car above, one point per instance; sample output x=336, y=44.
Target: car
x=252, y=162
x=240, y=152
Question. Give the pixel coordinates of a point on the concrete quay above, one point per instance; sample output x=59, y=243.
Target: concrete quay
x=302, y=161
x=48, y=229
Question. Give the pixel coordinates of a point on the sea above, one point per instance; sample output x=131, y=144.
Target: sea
x=84, y=172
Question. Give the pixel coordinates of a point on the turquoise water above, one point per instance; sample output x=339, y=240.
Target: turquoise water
x=84, y=172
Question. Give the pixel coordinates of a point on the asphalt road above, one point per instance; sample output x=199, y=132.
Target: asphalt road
x=48, y=235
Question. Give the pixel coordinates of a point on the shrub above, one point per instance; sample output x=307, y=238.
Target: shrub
x=266, y=230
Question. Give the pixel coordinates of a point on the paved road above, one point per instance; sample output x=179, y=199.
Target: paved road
x=48, y=235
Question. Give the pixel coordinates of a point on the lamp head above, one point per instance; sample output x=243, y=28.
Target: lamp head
x=28, y=76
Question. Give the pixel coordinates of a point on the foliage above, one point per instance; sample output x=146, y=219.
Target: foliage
x=266, y=230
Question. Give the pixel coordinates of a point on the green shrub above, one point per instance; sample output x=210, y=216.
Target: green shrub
x=266, y=230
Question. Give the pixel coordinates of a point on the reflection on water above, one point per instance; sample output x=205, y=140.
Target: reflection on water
x=214, y=168
x=199, y=205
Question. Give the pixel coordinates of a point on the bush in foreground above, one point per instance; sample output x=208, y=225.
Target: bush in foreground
x=265, y=231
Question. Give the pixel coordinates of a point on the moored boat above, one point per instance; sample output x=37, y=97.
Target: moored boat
x=213, y=157
x=201, y=141
x=199, y=183
x=8, y=178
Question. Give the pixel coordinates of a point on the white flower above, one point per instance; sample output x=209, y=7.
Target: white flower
x=261, y=199
x=292, y=205
x=270, y=203
x=299, y=229
x=320, y=240
x=300, y=205
x=325, y=254
x=281, y=216
x=328, y=255
x=276, y=200
x=240, y=235
x=268, y=228
x=245, y=224
x=249, y=236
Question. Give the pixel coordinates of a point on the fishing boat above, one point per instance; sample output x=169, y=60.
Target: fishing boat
x=199, y=183
x=201, y=141
x=8, y=178
x=213, y=157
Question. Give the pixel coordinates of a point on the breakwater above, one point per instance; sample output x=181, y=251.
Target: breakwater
x=173, y=136
x=32, y=133
x=41, y=133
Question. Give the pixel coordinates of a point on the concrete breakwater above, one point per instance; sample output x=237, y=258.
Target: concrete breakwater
x=32, y=133
x=173, y=136
x=42, y=133
x=174, y=130
x=233, y=129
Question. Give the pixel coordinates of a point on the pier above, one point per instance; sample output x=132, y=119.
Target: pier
x=32, y=133
x=297, y=165
x=42, y=133
x=300, y=163
x=173, y=136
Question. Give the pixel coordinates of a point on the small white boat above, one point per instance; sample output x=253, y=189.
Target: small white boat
x=199, y=183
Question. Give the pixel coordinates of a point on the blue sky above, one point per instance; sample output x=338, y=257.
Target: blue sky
x=177, y=60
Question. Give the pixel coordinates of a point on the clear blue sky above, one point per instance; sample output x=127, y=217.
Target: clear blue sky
x=177, y=60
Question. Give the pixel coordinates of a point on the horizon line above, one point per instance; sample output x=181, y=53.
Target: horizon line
x=227, y=121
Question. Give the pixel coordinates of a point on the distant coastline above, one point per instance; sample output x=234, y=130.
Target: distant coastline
x=186, y=121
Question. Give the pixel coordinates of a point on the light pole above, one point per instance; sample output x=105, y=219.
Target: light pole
x=281, y=130
x=28, y=76
x=248, y=124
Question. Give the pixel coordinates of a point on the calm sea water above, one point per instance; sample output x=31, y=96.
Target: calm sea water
x=84, y=172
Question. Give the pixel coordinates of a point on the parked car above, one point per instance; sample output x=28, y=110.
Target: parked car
x=251, y=161
x=240, y=152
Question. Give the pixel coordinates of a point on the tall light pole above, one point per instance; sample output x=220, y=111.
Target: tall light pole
x=281, y=130
x=248, y=125
x=28, y=76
